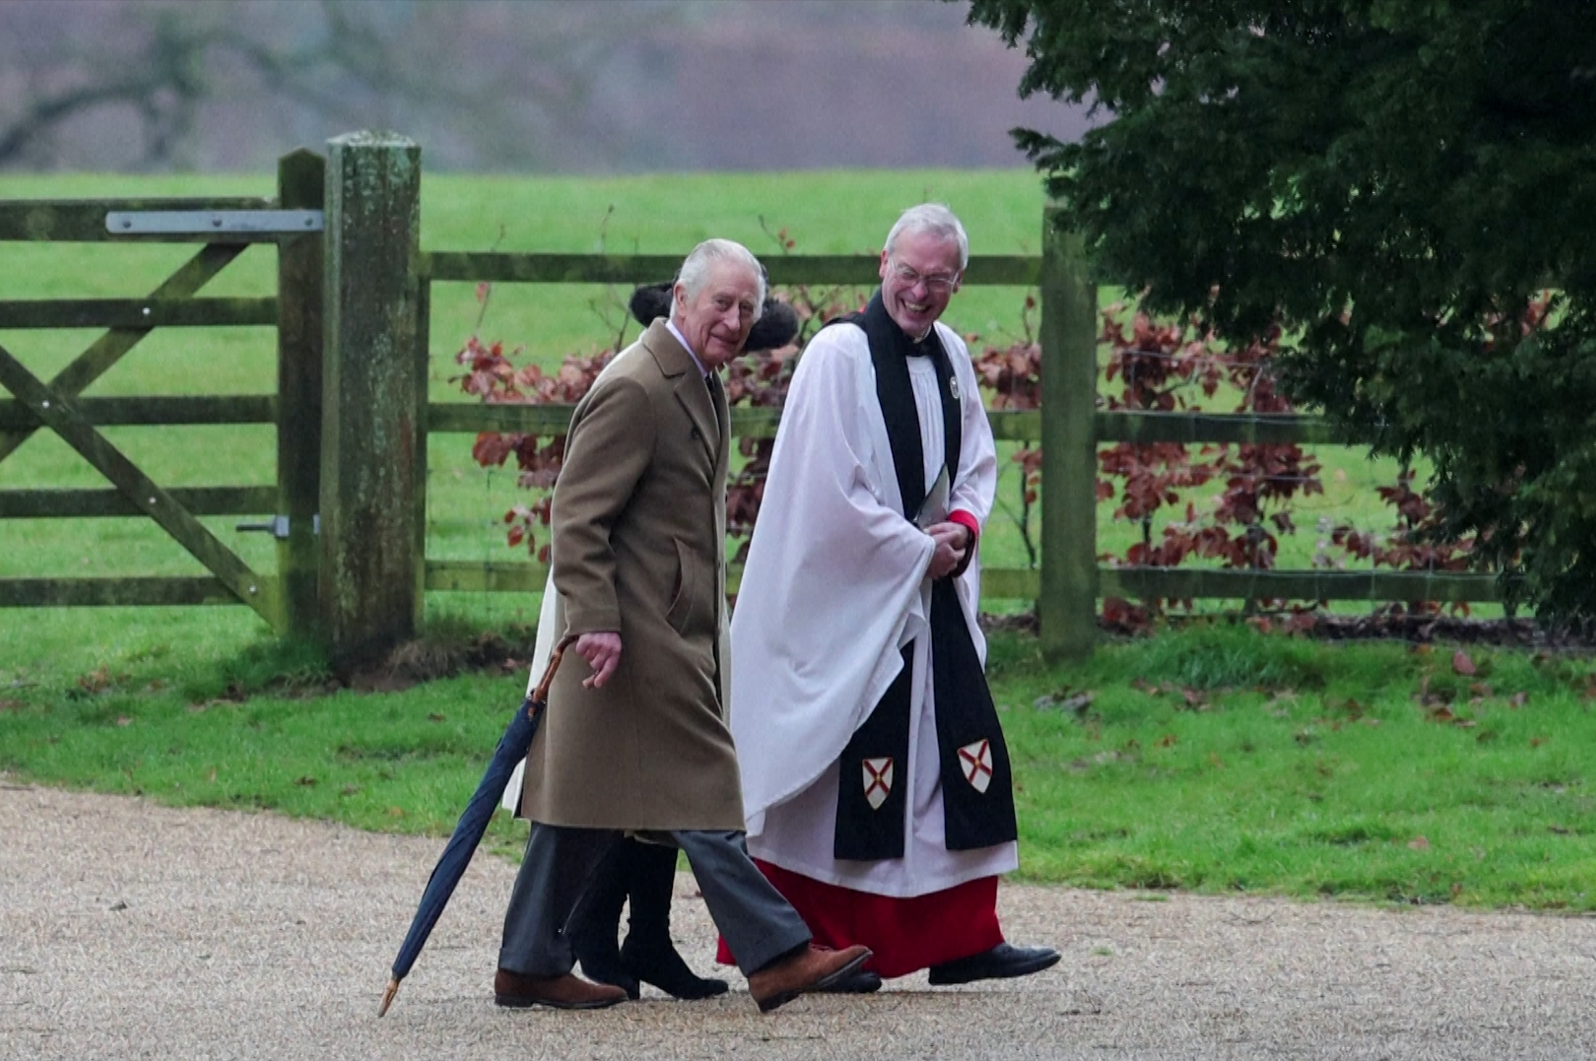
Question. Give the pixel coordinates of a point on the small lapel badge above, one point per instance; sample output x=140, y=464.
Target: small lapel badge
x=953, y=388
x=975, y=759
x=877, y=781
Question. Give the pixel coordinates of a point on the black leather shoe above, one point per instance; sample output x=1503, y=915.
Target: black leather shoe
x=863, y=982
x=1001, y=962
x=661, y=966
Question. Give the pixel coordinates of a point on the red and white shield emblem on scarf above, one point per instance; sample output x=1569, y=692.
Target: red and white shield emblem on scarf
x=976, y=762
x=877, y=781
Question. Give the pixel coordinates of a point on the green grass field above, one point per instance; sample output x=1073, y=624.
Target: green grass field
x=1212, y=759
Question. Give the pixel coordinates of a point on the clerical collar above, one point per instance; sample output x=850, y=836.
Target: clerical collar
x=916, y=347
x=901, y=342
x=702, y=371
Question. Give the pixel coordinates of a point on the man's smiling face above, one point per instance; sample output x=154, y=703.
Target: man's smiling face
x=919, y=274
x=717, y=320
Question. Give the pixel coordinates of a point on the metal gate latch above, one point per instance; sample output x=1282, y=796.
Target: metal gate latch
x=277, y=526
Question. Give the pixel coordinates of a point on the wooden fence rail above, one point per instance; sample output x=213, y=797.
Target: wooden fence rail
x=83, y=220
x=988, y=269
x=352, y=314
x=155, y=410
x=74, y=504
x=137, y=313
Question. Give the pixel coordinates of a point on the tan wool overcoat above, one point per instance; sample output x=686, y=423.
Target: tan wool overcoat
x=638, y=527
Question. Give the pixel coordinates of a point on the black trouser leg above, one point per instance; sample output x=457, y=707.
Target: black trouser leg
x=650, y=873
x=595, y=925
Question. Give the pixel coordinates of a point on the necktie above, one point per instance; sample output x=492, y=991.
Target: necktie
x=717, y=400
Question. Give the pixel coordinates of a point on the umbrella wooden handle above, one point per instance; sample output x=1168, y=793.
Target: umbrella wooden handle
x=540, y=695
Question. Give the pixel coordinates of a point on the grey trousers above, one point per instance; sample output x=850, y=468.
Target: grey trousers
x=757, y=924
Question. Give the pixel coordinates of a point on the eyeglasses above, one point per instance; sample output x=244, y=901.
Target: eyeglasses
x=937, y=283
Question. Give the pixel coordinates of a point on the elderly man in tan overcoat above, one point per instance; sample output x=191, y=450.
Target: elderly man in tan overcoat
x=635, y=738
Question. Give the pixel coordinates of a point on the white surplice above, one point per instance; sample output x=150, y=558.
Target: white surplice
x=834, y=588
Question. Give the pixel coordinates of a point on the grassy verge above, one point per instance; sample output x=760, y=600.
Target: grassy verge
x=1213, y=759
x=242, y=721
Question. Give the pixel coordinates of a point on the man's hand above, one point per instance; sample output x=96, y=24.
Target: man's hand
x=602, y=650
x=952, y=539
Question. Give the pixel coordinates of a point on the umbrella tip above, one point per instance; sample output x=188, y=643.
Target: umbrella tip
x=387, y=996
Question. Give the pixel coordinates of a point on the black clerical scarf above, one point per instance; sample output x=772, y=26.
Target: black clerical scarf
x=873, y=781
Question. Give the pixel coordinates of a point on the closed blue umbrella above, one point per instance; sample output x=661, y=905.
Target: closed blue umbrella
x=473, y=822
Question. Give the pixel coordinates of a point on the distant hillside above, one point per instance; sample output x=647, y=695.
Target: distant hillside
x=517, y=85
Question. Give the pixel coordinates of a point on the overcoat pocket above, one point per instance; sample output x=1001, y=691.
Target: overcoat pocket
x=688, y=590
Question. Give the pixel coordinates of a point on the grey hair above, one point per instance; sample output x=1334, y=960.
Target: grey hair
x=694, y=273
x=936, y=219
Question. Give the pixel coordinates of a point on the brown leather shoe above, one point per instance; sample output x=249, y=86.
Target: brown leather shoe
x=561, y=992
x=813, y=969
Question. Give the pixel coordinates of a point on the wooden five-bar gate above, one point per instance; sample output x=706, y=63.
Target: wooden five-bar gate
x=352, y=414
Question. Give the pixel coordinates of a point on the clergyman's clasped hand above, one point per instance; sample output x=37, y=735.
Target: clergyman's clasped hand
x=953, y=541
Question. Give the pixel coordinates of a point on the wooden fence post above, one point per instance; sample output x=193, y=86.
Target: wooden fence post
x=301, y=178
x=371, y=404
x=1067, y=610
x=420, y=364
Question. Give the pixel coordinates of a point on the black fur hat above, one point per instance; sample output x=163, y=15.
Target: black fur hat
x=777, y=324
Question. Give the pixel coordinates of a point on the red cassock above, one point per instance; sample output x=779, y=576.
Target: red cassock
x=906, y=935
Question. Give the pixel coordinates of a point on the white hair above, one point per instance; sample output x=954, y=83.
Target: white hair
x=936, y=219
x=694, y=273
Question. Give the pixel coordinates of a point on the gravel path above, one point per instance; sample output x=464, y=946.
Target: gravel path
x=131, y=930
